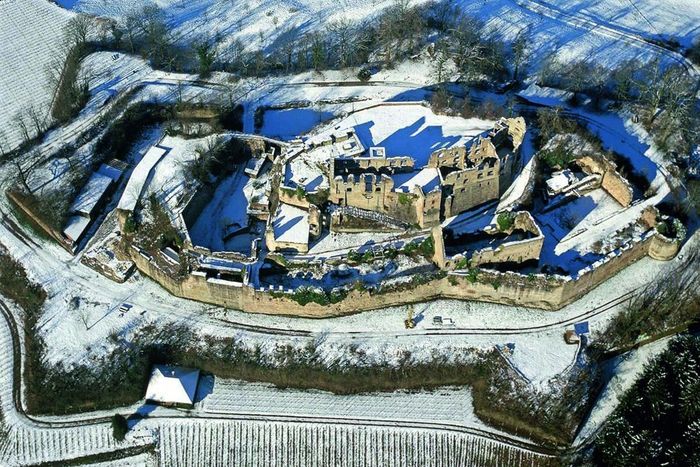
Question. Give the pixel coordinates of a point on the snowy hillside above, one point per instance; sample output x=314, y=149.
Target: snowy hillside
x=571, y=27
x=30, y=30
x=255, y=23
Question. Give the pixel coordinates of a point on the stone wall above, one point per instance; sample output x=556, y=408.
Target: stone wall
x=516, y=251
x=662, y=248
x=18, y=201
x=451, y=157
x=471, y=187
x=376, y=193
x=543, y=292
x=612, y=182
x=511, y=252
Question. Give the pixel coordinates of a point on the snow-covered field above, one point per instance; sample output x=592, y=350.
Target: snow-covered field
x=190, y=443
x=255, y=23
x=567, y=27
x=666, y=18
x=30, y=33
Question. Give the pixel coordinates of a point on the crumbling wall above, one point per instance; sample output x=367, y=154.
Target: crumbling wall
x=450, y=157
x=545, y=292
x=511, y=252
x=375, y=193
x=289, y=196
x=471, y=187
x=273, y=244
x=612, y=182
x=355, y=165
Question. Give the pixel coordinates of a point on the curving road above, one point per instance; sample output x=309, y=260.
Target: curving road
x=89, y=433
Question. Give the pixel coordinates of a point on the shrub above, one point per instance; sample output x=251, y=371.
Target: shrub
x=306, y=295
x=556, y=158
x=505, y=221
x=427, y=247
x=463, y=263
x=364, y=74
x=119, y=427
x=404, y=199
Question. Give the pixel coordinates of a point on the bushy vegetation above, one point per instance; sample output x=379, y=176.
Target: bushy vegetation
x=219, y=159
x=551, y=417
x=398, y=32
x=558, y=157
x=119, y=427
x=656, y=422
x=121, y=135
x=72, y=94
x=667, y=305
x=505, y=221
x=305, y=295
x=15, y=285
x=662, y=96
x=694, y=53
x=156, y=231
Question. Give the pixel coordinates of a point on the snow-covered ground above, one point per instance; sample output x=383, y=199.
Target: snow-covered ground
x=567, y=27
x=623, y=371
x=30, y=36
x=644, y=17
x=255, y=24
x=408, y=129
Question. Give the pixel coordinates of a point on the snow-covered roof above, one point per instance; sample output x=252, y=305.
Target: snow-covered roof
x=303, y=173
x=291, y=224
x=221, y=264
x=428, y=179
x=139, y=177
x=545, y=96
x=172, y=384
x=109, y=171
x=91, y=194
x=560, y=180
x=75, y=227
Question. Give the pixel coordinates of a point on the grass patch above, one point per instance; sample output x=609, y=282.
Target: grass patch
x=305, y=295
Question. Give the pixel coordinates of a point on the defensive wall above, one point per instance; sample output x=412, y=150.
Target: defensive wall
x=536, y=291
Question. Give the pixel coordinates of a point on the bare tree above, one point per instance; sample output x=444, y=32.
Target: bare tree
x=440, y=58
x=22, y=126
x=520, y=45
x=79, y=29
x=131, y=29
x=21, y=174
x=36, y=118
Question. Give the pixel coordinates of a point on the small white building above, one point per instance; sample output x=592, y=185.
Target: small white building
x=560, y=181
x=172, y=385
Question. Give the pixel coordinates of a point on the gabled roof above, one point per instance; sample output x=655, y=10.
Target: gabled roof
x=172, y=385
